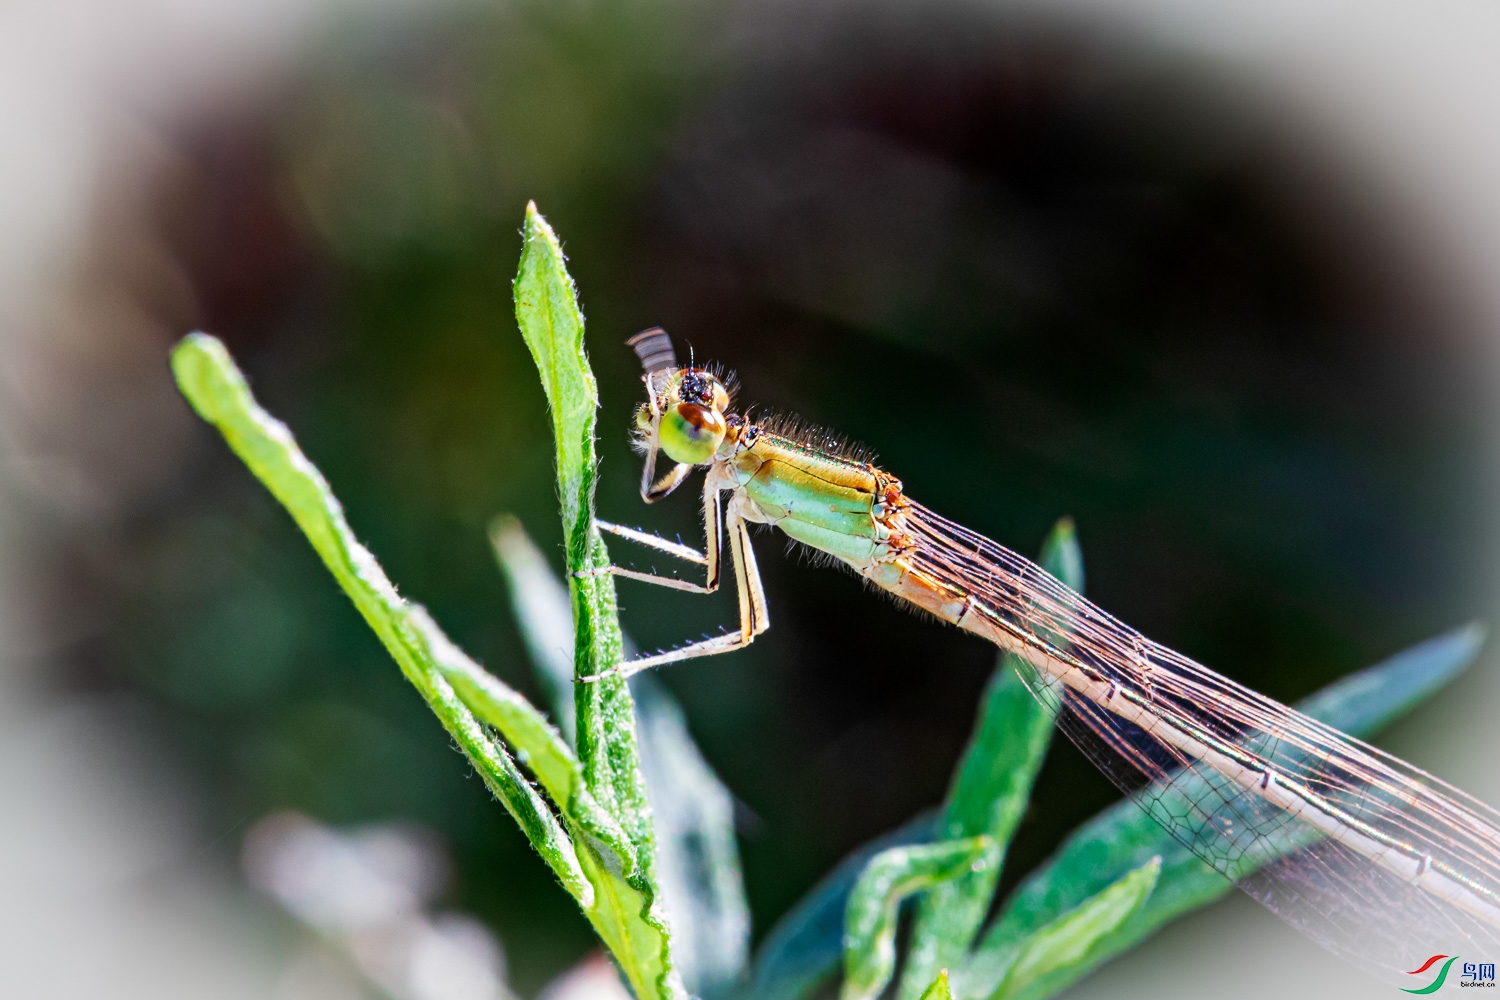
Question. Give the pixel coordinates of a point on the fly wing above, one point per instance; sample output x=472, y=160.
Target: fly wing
x=658, y=359
x=1371, y=857
x=654, y=348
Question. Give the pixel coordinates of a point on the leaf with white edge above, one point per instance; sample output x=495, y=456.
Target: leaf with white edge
x=697, y=861
x=874, y=905
x=1062, y=944
x=551, y=323
x=549, y=758
x=213, y=385
x=552, y=326
x=541, y=605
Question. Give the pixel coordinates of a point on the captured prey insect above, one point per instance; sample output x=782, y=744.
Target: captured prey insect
x=1370, y=856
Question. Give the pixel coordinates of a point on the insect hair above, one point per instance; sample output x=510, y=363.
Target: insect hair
x=640, y=437
x=805, y=432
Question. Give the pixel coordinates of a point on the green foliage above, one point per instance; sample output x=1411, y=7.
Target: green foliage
x=805, y=946
x=1061, y=945
x=698, y=866
x=1120, y=865
x=1114, y=882
x=543, y=608
x=217, y=390
x=989, y=794
x=552, y=325
x=1122, y=837
x=889, y=878
x=939, y=989
x=599, y=842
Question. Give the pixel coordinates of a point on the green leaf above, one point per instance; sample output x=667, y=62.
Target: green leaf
x=991, y=789
x=552, y=326
x=597, y=864
x=939, y=990
x=1062, y=944
x=541, y=605
x=874, y=905
x=551, y=323
x=802, y=950
x=1364, y=703
x=213, y=385
x=698, y=860
x=1122, y=837
x=698, y=865
x=540, y=746
x=1062, y=556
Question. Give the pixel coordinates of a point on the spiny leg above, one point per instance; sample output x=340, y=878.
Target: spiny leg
x=754, y=616
x=652, y=492
x=676, y=549
x=711, y=535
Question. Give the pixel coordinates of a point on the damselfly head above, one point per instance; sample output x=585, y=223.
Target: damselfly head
x=685, y=407
x=691, y=432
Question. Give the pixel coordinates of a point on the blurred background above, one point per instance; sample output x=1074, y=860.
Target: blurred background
x=1222, y=283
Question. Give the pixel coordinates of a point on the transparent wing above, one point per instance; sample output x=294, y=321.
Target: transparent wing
x=1368, y=855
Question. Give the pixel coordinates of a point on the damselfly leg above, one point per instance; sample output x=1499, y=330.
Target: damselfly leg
x=754, y=618
x=713, y=543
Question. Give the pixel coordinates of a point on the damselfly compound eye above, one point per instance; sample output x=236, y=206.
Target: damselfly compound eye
x=691, y=432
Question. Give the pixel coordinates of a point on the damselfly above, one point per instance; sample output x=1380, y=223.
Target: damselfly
x=1365, y=853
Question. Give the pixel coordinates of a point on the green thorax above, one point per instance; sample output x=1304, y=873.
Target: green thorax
x=816, y=497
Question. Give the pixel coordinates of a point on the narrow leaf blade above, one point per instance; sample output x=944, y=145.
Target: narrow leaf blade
x=991, y=789
x=940, y=989
x=1122, y=837
x=213, y=385
x=542, y=608
x=1061, y=946
x=551, y=323
x=889, y=878
x=698, y=866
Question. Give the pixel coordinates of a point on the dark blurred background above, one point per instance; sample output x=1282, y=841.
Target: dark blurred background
x=1040, y=269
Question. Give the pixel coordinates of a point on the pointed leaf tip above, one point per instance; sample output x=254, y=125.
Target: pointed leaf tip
x=940, y=988
x=537, y=227
x=1061, y=554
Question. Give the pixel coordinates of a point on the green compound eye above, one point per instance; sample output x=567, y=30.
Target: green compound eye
x=691, y=433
